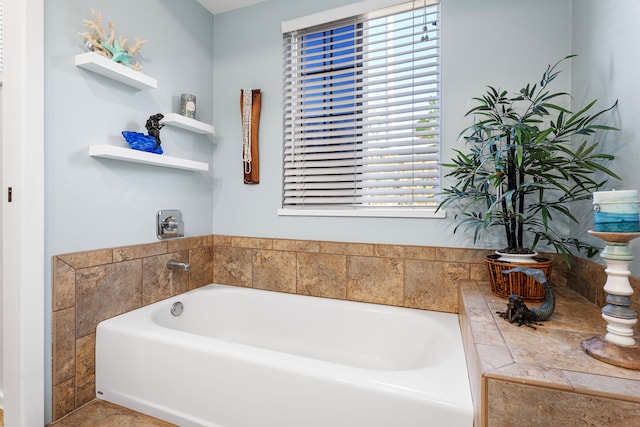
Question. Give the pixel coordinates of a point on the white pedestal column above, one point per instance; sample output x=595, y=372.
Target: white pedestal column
x=618, y=347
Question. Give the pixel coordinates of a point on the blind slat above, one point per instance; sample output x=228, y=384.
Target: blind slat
x=378, y=186
x=309, y=130
x=363, y=201
x=351, y=170
x=370, y=118
x=430, y=145
x=399, y=138
x=292, y=180
x=400, y=162
x=388, y=152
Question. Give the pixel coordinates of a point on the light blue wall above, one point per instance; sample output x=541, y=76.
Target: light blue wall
x=606, y=36
x=95, y=203
x=101, y=203
x=497, y=42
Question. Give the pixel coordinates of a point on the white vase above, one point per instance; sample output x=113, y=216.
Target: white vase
x=518, y=258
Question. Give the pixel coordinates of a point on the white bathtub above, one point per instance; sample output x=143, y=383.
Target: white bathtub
x=240, y=357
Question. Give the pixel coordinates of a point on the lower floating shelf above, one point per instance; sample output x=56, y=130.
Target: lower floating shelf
x=136, y=156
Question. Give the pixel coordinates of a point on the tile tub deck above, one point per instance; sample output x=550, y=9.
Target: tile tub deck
x=542, y=377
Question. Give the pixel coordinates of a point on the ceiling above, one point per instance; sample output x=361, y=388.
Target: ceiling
x=220, y=6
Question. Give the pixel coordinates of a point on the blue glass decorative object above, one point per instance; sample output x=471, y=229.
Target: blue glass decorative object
x=142, y=142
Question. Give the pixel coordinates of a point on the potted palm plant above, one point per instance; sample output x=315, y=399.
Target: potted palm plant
x=527, y=159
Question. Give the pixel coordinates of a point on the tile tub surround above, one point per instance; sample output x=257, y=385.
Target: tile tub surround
x=588, y=279
x=95, y=285
x=407, y=276
x=542, y=377
x=92, y=285
x=371, y=272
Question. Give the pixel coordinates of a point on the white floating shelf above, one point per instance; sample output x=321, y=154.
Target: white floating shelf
x=137, y=156
x=102, y=65
x=180, y=121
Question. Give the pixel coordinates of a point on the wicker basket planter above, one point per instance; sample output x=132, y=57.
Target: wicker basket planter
x=519, y=283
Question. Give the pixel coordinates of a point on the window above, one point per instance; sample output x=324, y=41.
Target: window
x=362, y=111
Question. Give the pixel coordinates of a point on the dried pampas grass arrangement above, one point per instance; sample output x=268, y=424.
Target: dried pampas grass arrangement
x=109, y=46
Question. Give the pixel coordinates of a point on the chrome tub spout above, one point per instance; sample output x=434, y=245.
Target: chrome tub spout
x=179, y=265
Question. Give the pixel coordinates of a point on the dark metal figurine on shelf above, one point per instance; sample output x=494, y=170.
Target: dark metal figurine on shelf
x=517, y=310
x=153, y=127
x=149, y=143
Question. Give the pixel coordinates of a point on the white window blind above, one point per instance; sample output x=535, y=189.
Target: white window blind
x=361, y=99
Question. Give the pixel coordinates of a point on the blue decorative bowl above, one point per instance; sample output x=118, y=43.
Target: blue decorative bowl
x=142, y=142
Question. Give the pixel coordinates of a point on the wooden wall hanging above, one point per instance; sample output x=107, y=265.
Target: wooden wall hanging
x=250, y=104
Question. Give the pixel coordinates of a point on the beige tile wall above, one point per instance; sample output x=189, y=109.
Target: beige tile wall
x=95, y=285
x=588, y=279
x=92, y=286
x=408, y=276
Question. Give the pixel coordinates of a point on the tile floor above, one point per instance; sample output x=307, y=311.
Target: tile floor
x=99, y=413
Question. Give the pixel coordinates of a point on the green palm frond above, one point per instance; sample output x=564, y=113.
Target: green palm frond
x=527, y=158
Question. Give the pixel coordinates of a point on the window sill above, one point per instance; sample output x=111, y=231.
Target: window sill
x=374, y=213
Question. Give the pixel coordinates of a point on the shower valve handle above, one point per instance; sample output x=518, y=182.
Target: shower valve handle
x=170, y=223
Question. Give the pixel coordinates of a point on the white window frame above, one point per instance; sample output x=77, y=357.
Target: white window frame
x=322, y=18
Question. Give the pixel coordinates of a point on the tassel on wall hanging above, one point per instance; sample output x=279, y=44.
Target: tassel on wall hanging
x=250, y=104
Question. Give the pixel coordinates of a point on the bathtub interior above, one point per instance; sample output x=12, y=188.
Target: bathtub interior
x=356, y=334
x=234, y=362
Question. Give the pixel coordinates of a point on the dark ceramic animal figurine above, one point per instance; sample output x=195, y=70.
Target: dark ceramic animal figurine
x=153, y=127
x=517, y=310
